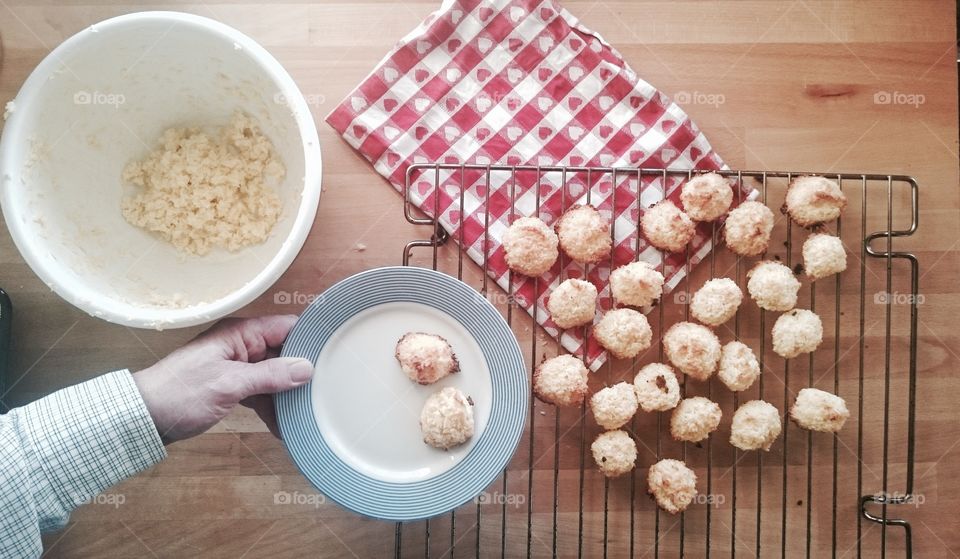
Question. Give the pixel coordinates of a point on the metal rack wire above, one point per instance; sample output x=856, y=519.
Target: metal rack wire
x=811, y=495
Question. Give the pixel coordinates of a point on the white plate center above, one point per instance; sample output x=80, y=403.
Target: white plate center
x=367, y=408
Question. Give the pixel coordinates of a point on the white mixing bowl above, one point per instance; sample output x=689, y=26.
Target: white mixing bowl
x=101, y=100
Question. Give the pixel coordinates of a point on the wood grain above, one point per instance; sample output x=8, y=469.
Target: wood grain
x=797, y=80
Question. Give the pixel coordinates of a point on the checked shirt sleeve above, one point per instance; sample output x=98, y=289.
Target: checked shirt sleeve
x=64, y=449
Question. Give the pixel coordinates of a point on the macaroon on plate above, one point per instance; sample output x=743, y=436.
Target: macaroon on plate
x=354, y=430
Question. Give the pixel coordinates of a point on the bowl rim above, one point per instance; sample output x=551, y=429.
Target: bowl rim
x=128, y=314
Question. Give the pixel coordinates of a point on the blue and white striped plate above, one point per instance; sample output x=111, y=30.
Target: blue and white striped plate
x=354, y=430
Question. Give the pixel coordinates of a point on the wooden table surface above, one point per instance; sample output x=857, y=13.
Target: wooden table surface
x=797, y=81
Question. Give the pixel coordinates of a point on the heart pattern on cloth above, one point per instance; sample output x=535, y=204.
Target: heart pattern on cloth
x=523, y=84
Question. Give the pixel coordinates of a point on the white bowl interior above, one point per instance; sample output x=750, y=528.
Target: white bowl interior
x=112, y=91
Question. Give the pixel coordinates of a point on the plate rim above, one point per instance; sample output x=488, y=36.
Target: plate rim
x=478, y=469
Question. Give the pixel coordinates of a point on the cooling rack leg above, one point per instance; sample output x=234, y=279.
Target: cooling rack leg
x=866, y=500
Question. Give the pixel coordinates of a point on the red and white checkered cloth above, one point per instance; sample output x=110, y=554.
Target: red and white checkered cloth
x=523, y=82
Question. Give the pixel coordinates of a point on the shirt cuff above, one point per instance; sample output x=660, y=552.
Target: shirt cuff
x=90, y=436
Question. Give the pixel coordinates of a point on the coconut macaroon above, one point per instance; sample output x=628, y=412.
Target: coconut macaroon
x=447, y=419
x=667, y=227
x=817, y=410
x=747, y=228
x=693, y=349
x=584, y=234
x=561, y=381
x=637, y=284
x=798, y=331
x=573, y=303
x=615, y=405
x=694, y=419
x=672, y=484
x=615, y=453
x=756, y=424
x=623, y=332
x=739, y=367
x=530, y=246
x=823, y=255
x=773, y=286
x=706, y=197
x=657, y=387
x=716, y=302
x=813, y=200
x=426, y=358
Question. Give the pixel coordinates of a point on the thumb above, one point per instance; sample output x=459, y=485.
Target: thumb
x=275, y=375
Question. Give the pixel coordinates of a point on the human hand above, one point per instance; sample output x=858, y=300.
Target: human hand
x=235, y=361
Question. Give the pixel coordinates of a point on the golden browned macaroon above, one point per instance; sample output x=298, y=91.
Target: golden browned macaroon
x=530, y=246
x=739, y=367
x=755, y=425
x=561, y=381
x=814, y=200
x=693, y=349
x=623, y=332
x=447, y=419
x=823, y=255
x=667, y=227
x=716, y=302
x=773, y=286
x=615, y=453
x=747, y=228
x=694, y=419
x=584, y=234
x=817, y=410
x=637, y=284
x=426, y=358
x=657, y=387
x=672, y=484
x=795, y=332
x=573, y=303
x=706, y=197
x=615, y=405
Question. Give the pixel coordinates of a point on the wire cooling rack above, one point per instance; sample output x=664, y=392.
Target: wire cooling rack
x=812, y=494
